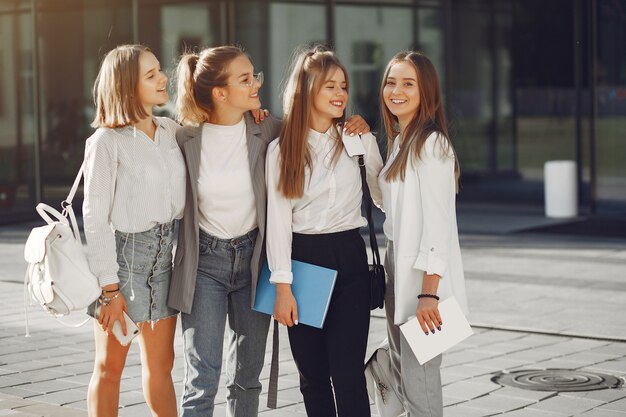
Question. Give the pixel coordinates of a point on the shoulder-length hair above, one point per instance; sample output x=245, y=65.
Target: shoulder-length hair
x=311, y=68
x=429, y=117
x=115, y=90
x=197, y=75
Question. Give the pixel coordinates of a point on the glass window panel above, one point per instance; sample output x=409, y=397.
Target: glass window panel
x=170, y=27
x=287, y=31
x=503, y=61
x=545, y=94
x=15, y=6
x=269, y=32
x=365, y=45
x=472, y=72
x=430, y=38
x=73, y=37
x=610, y=137
x=252, y=31
x=17, y=124
x=384, y=3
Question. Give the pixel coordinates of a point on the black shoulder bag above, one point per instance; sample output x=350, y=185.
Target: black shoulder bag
x=377, y=272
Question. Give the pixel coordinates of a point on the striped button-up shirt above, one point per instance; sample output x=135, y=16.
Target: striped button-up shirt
x=132, y=183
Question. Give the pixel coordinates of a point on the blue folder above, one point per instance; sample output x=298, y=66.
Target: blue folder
x=312, y=287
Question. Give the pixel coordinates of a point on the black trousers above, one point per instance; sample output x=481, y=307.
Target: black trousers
x=336, y=352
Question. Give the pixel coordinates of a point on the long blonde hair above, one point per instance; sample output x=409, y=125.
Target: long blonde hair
x=310, y=69
x=115, y=92
x=428, y=118
x=198, y=74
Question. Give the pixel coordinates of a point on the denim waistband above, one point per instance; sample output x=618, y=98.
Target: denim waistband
x=157, y=231
x=243, y=240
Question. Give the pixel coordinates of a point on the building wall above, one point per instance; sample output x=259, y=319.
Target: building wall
x=521, y=86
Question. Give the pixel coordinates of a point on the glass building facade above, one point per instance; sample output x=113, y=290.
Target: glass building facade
x=525, y=81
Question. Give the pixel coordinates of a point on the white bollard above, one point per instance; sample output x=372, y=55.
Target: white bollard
x=561, y=189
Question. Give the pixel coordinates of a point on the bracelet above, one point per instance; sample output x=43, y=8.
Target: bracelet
x=436, y=297
x=107, y=300
x=115, y=290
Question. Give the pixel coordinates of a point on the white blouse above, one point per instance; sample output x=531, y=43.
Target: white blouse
x=132, y=183
x=331, y=201
x=226, y=201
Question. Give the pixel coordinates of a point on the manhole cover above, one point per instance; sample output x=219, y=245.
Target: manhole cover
x=557, y=380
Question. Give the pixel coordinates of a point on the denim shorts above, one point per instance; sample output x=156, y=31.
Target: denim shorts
x=145, y=271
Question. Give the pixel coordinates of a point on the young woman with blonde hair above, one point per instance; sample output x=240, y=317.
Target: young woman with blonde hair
x=222, y=236
x=134, y=193
x=423, y=259
x=314, y=216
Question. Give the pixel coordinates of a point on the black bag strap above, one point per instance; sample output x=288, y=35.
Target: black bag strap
x=367, y=202
x=272, y=391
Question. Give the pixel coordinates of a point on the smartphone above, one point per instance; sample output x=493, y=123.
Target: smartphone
x=353, y=144
x=131, y=328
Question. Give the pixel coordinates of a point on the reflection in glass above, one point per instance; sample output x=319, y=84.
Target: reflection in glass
x=17, y=139
x=430, y=34
x=73, y=36
x=504, y=154
x=545, y=94
x=171, y=27
x=287, y=31
x=365, y=44
x=610, y=129
x=472, y=72
x=269, y=32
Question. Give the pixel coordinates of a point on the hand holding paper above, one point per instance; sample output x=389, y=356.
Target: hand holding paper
x=454, y=330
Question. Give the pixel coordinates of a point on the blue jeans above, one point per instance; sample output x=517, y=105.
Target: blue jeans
x=223, y=290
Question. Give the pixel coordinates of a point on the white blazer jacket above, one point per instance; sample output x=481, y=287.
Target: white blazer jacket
x=425, y=234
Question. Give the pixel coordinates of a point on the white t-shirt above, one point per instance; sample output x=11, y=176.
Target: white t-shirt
x=226, y=199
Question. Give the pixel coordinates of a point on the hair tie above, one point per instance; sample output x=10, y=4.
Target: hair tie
x=193, y=64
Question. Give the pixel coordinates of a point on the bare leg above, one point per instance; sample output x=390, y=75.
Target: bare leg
x=157, y=361
x=103, y=395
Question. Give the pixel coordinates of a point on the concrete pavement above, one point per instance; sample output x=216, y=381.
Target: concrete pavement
x=537, y=301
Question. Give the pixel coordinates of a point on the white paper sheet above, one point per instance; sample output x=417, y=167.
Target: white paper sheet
x=455, y=329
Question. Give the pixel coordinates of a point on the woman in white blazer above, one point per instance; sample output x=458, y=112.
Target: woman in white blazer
x=418, y=184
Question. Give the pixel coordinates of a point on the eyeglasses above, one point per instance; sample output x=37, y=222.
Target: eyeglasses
x=249, y=83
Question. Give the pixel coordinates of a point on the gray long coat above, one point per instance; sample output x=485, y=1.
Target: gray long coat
x=183, y=284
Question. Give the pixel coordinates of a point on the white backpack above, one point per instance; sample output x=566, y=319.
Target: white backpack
x=58, y=277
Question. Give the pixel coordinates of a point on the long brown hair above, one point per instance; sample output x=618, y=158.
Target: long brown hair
x=311, y=68
x=429, y=117
x=198, y=74
x=115, y=90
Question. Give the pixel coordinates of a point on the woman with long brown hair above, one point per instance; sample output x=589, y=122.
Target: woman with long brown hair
x=418, y=184
x=314, y=216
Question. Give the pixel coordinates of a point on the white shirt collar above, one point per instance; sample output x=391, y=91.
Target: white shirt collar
x=318, y=139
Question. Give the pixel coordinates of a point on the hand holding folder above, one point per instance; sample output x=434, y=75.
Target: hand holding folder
x=312, y=287
x=455, y=329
